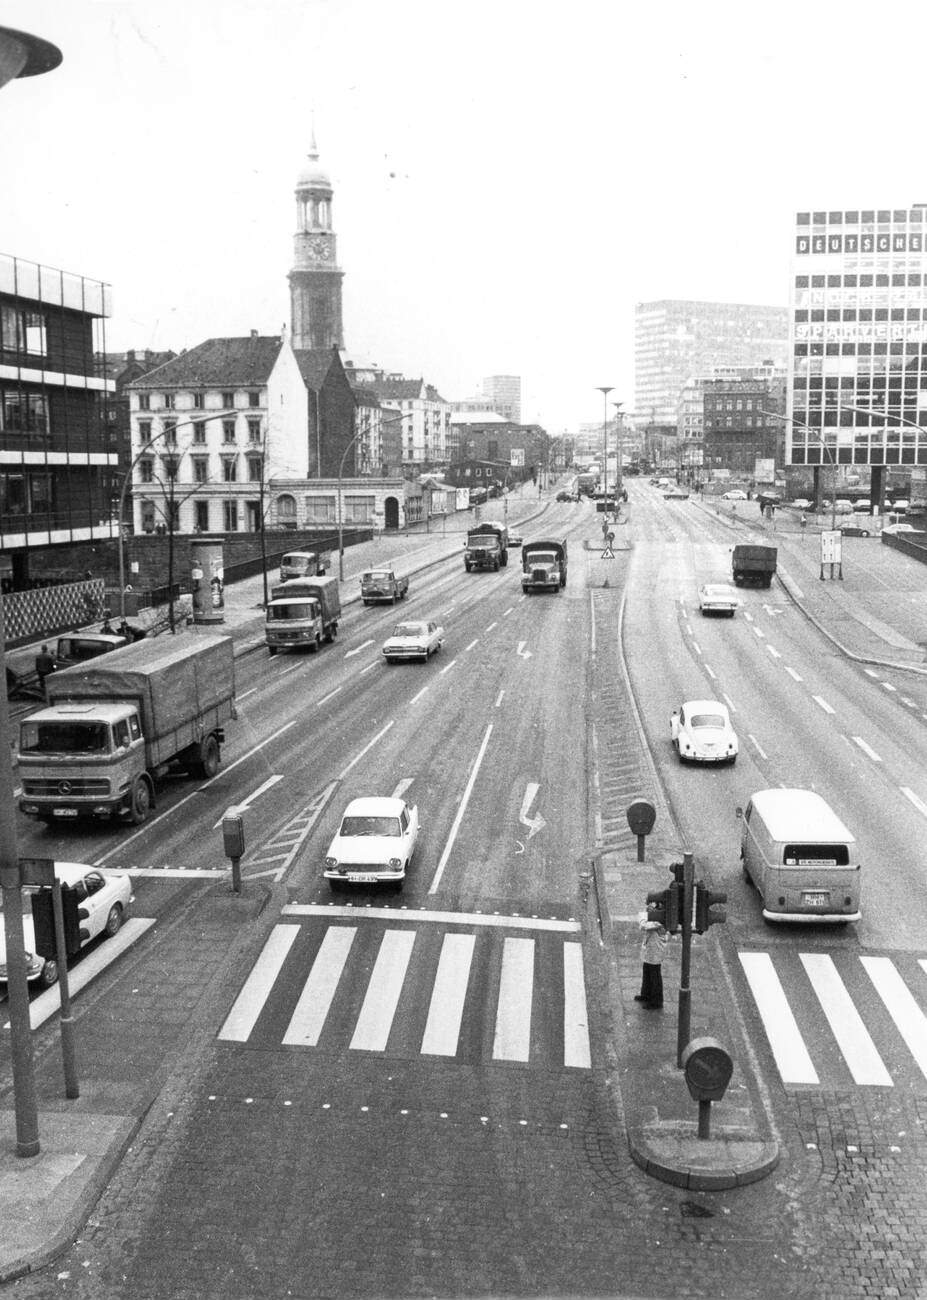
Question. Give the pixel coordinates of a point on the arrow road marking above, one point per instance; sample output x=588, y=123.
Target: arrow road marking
x=536, y=823
x=521, y=651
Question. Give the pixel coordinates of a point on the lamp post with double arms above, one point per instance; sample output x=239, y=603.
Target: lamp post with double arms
x=605, y=392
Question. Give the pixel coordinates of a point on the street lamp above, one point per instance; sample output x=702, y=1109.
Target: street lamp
x=605, y=392
x=619, y=416
x=22, y=55
x=830, y=456
x=394, y=420
x=127, y=478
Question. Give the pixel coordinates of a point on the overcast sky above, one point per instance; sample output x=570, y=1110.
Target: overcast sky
x=510, y=176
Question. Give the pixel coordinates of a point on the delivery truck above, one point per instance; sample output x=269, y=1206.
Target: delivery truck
x=302, y=613
x=114, y=726
x=755, y=564
x=544, y=565
x=486, y=547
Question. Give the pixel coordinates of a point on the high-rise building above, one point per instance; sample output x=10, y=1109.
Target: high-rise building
x=502, y=394
x=858, y=373
x=315, y=280
x=676, y=339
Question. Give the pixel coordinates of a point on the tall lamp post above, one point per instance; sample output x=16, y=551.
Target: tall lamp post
x=830, y=456
x=393, y=420
x=619, y=477
x=605, y=392
x=21, y=55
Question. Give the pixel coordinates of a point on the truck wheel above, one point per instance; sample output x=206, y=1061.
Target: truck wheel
x=467, y=566
x=114, y=920
x=314, y=645
x=394, y=598
x=141, y=802
x=49, y=974
x=208, y=764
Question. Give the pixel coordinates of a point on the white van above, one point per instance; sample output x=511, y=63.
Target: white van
x=301, y=564
x=801, y=857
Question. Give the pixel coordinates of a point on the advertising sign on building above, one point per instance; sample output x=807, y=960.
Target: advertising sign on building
x=517, y=457
x=764, y=470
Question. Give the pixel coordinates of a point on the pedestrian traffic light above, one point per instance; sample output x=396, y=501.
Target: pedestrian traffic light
x=708, y=909
x=664, y=905
x=43, y=922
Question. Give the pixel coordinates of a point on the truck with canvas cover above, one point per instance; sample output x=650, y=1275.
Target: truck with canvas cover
x=544, y=565
x=302, y=613
x=115, y=725
x=487, y=547
x=755, y=564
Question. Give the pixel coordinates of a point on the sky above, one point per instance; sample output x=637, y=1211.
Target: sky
x=510, y=177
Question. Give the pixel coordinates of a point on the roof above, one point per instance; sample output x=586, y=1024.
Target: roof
x=314, y=364
x=395, y=389
x=217, y=363
x=799, y=815
x=706, y=706
x=375, y=806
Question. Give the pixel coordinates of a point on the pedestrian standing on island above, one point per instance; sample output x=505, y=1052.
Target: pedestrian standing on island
x=653, y=947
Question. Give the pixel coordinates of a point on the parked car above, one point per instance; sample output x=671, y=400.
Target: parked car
x=853, y=530
x=717, y=598
x=419, y=640
x=701, y=732
x=892, y=529
x=515, y=539
x=565, y=496
x=735, y=494
x=374, y=844
x=900, y=507
x=102, y=898
x=676, y=492
x=843, y=506
x=800, y=503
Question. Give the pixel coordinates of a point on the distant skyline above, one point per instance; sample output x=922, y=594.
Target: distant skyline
x=509, y=180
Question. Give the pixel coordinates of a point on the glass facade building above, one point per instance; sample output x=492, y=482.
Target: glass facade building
x=858, y=374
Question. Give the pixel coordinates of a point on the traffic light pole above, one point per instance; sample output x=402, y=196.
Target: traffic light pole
x=685, y=990
x=71, y=1086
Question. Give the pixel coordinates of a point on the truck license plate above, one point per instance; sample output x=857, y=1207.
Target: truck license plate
x=815, y=899
x=64, y=812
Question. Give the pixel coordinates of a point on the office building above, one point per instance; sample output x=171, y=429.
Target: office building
x=502, y=394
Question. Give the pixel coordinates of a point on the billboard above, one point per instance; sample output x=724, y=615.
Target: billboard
x=764, y=470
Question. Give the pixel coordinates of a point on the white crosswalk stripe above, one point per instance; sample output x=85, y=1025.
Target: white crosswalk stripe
x=862, y=1034
x=401, y=962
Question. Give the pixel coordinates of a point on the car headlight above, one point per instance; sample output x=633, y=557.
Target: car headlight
x=394, y=864
x=331, y=862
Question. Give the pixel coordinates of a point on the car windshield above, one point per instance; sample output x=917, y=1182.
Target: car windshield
x=377, y=575
x=65, y=738
x=370, y=826
x=713, y=720
x=408, y=629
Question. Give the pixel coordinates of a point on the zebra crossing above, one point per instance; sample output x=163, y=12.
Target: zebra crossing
x=863, y=1024
x=418, y=982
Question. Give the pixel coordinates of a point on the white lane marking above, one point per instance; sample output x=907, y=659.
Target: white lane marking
x=773, y=651
x=853, y=1038
x=822, y=703
x=312, y=1009
x=910, y=703
x=748, y=617
x=330, y=696
x=696, y=647
x=512, y=1038
x=433, y=888
x=510, y=610
x=711, y=672
x=918, y=803
x=370, y=667
x=866, y=749
x=178, y=873
x=785, y=1040
x=796, y=677
x=119, y=848
x=759, y=748
x=401, y=787
x=499, y=699
x=371, y=1033
x=419, y=695
x=759, y=631
x=358, y=649
x=576, y=1053
x=474, y=642
x=370, y=744
x=888, y=686
x=268, y=784
x=870, y=672
x=490, y=627
x=445, y=1012
x=248, y=1005
x=447, y=667
x=47, y=1003
x=492, y=919
x=729, y=702
x=244, y=695
x=521, y=651
x=536, y=823
x=900, y=1004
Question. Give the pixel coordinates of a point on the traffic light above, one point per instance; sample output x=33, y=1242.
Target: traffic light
x=664, y=905
x=708, y=909
x=43, y=921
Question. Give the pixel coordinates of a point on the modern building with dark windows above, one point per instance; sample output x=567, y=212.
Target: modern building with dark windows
x=58, y=448
x=858, y=375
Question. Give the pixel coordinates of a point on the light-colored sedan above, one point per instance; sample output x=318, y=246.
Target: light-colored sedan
x=800, y=503
x=375, y=843
x=677, y=493
x=102, y=899
x=718, y=598
x=701, y=732
x=419, y=640
x=735, y=494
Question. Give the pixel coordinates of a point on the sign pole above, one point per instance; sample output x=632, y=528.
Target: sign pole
x=685, y=989
x=71, y=1085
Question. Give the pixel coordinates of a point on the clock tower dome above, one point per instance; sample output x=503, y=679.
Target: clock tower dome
x=315, y=281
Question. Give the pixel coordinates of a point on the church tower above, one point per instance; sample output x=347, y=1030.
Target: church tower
x=315, y=281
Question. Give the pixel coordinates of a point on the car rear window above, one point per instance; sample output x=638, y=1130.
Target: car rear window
x=818, y=855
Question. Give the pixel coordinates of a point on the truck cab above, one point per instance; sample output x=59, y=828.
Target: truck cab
x=302, y=613
x=383, y=585
x=487, y=546
x=78, y=647
x=544, y=565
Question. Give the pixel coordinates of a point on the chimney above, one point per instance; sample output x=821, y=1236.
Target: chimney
x=254, y=334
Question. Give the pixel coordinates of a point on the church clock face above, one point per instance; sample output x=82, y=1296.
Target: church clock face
x=320, y=248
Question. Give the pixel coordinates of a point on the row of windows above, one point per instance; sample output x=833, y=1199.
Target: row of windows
x=149, y=472
x=896, y=349
x=168, y=401
x=860, y=313
x=169, y=432
x=860, y=216
x=861, y=383
x=896, y=280
x=745, y=422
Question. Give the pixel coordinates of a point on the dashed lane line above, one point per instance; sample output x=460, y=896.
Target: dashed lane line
x=867, y=750
x=822, y=703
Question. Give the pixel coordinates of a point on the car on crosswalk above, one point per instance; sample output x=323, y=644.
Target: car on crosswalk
x=701, y=732
x=374, y=844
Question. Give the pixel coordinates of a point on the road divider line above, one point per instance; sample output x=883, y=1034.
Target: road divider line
x=433, y=888
x=358, y=649
x=476, y=641
x=696, y=647
x=447, y=667
x=419, y=695
x=759, y=748
x=711, y=672
x=245, y=803
x=729, y=702
x=330, y=696
x=870, y=753
x=495, y=920
x=773, y=651
x=915, y=799
x=796, y=677
x=822, y=704
x=888, y=686
x=758, y=631
x=370, y=744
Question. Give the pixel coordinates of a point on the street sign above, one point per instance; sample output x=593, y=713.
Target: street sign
x=830, y=546
x=608, y=553
x=37, y=871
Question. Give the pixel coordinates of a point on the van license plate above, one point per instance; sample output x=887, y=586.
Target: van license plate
x=64, y=812
x=815, y=899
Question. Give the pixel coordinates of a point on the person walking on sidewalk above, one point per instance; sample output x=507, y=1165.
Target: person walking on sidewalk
x=653, y=947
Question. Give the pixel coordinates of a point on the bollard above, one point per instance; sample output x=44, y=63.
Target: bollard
x=233, y=840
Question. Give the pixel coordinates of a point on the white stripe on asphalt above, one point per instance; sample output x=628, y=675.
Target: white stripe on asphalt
x=495, y=919
x=822, y=703
x=315, y=1000
x=859, y=1051
x=794, y=675
x=445, y=1012
x=785, y=1040
x=575, y=1012
x=870, y=753
x=247, y=1006
x=455, y=827
x=371, y=1033
x=512, y=1039
x=918, y=802
x=909, y=1019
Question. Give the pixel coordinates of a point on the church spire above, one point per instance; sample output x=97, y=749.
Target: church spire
x=315, y=280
